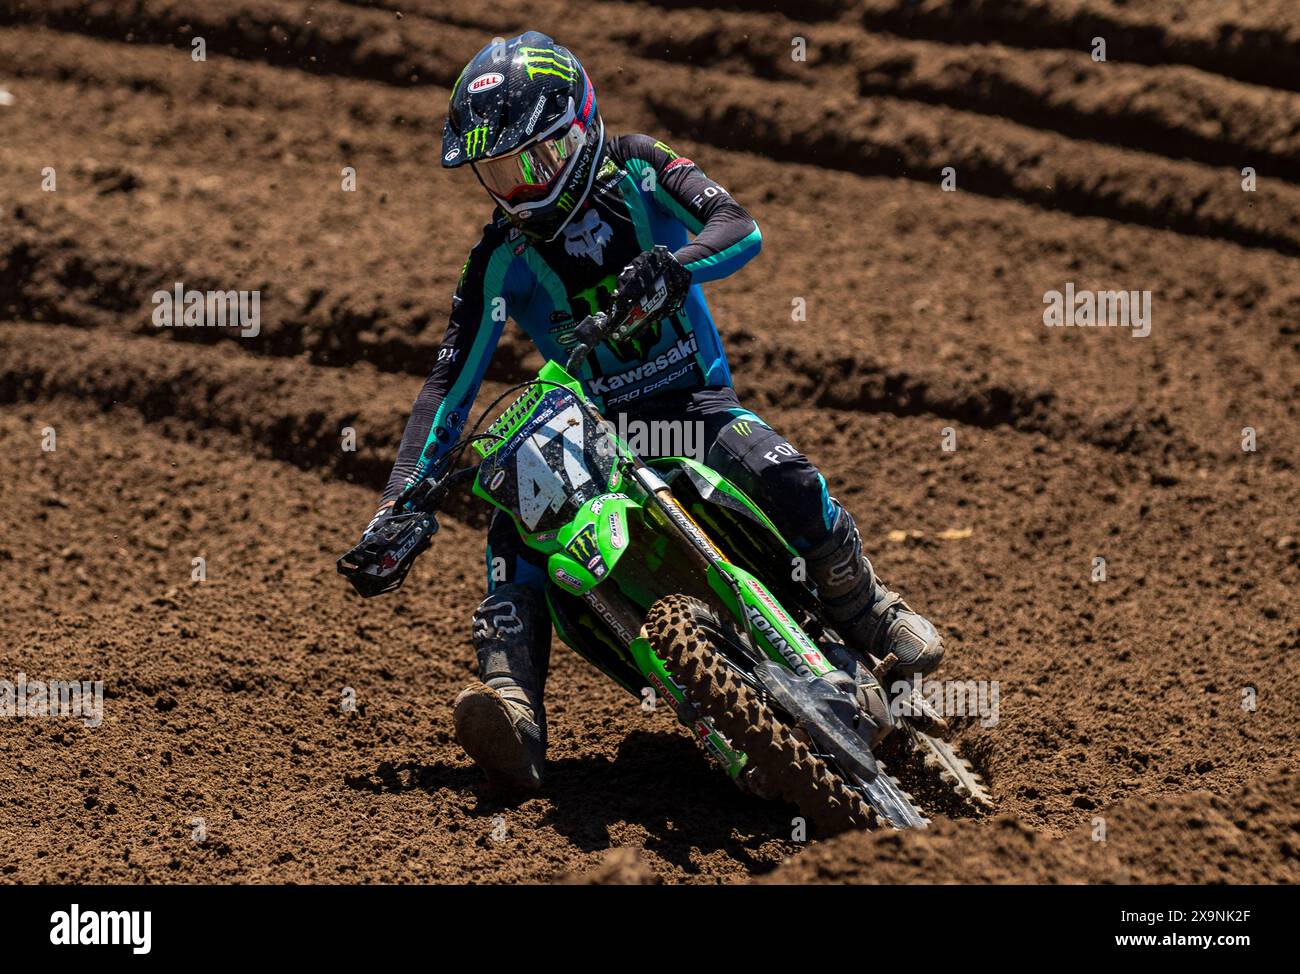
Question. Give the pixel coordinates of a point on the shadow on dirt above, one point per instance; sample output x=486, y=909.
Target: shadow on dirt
x=663, y=783
x=659, y=781
x=395, y=778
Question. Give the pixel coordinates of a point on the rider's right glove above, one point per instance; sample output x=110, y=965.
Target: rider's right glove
x=383, y=514
x=652, y=287
x=390, y=544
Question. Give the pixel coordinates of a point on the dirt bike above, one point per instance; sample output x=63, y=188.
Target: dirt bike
x=677, y=586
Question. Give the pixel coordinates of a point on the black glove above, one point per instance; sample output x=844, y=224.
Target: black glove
x=376, y=522
x=389, y=546
x=650, y=288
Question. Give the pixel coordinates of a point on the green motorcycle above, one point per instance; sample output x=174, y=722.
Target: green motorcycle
x=672, y=582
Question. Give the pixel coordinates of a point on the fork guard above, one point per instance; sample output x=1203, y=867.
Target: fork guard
x=824, y=713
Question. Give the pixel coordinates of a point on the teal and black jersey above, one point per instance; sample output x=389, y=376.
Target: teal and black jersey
x=645, y=194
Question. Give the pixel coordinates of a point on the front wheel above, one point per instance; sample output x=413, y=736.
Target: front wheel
x=681, y=630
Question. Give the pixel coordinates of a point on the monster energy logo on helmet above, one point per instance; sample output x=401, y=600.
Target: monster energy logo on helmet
x=476, y=141
x=546, y=60
x=523, y=114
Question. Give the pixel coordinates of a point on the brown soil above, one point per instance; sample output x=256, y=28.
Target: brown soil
x=1120, y=700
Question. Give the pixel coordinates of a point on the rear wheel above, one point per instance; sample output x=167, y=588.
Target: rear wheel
x=934, y=771
x=681, y=632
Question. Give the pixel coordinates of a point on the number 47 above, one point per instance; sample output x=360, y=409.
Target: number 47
x=541, y=486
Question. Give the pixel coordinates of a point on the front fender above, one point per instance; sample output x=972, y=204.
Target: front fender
x=592, y=543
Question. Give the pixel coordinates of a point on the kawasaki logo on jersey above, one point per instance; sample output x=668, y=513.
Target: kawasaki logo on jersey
x=684, y=349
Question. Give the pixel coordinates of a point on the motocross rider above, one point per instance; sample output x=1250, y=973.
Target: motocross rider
x=579, y=215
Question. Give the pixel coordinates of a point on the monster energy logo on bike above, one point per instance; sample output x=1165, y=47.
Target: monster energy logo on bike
x=545, y=60
x=584, y=549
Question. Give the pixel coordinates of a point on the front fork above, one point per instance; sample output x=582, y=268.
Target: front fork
x=665, y=688
x=770, y=628
x=744, y=596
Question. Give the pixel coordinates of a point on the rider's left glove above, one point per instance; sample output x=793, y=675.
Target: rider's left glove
x=652, y=287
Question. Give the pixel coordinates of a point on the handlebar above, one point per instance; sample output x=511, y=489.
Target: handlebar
x=426, y=495
x=381, y=561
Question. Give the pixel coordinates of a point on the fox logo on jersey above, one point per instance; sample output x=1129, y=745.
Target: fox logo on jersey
x=587, y=237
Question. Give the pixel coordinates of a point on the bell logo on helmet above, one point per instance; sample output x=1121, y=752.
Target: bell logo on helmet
x=484, y=82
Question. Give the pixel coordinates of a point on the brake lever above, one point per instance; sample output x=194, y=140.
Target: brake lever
x=594, y=329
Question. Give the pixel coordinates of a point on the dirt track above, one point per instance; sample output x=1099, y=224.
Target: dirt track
x=1120, y=699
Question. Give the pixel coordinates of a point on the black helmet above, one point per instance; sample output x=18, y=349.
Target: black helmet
x=523, y=114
